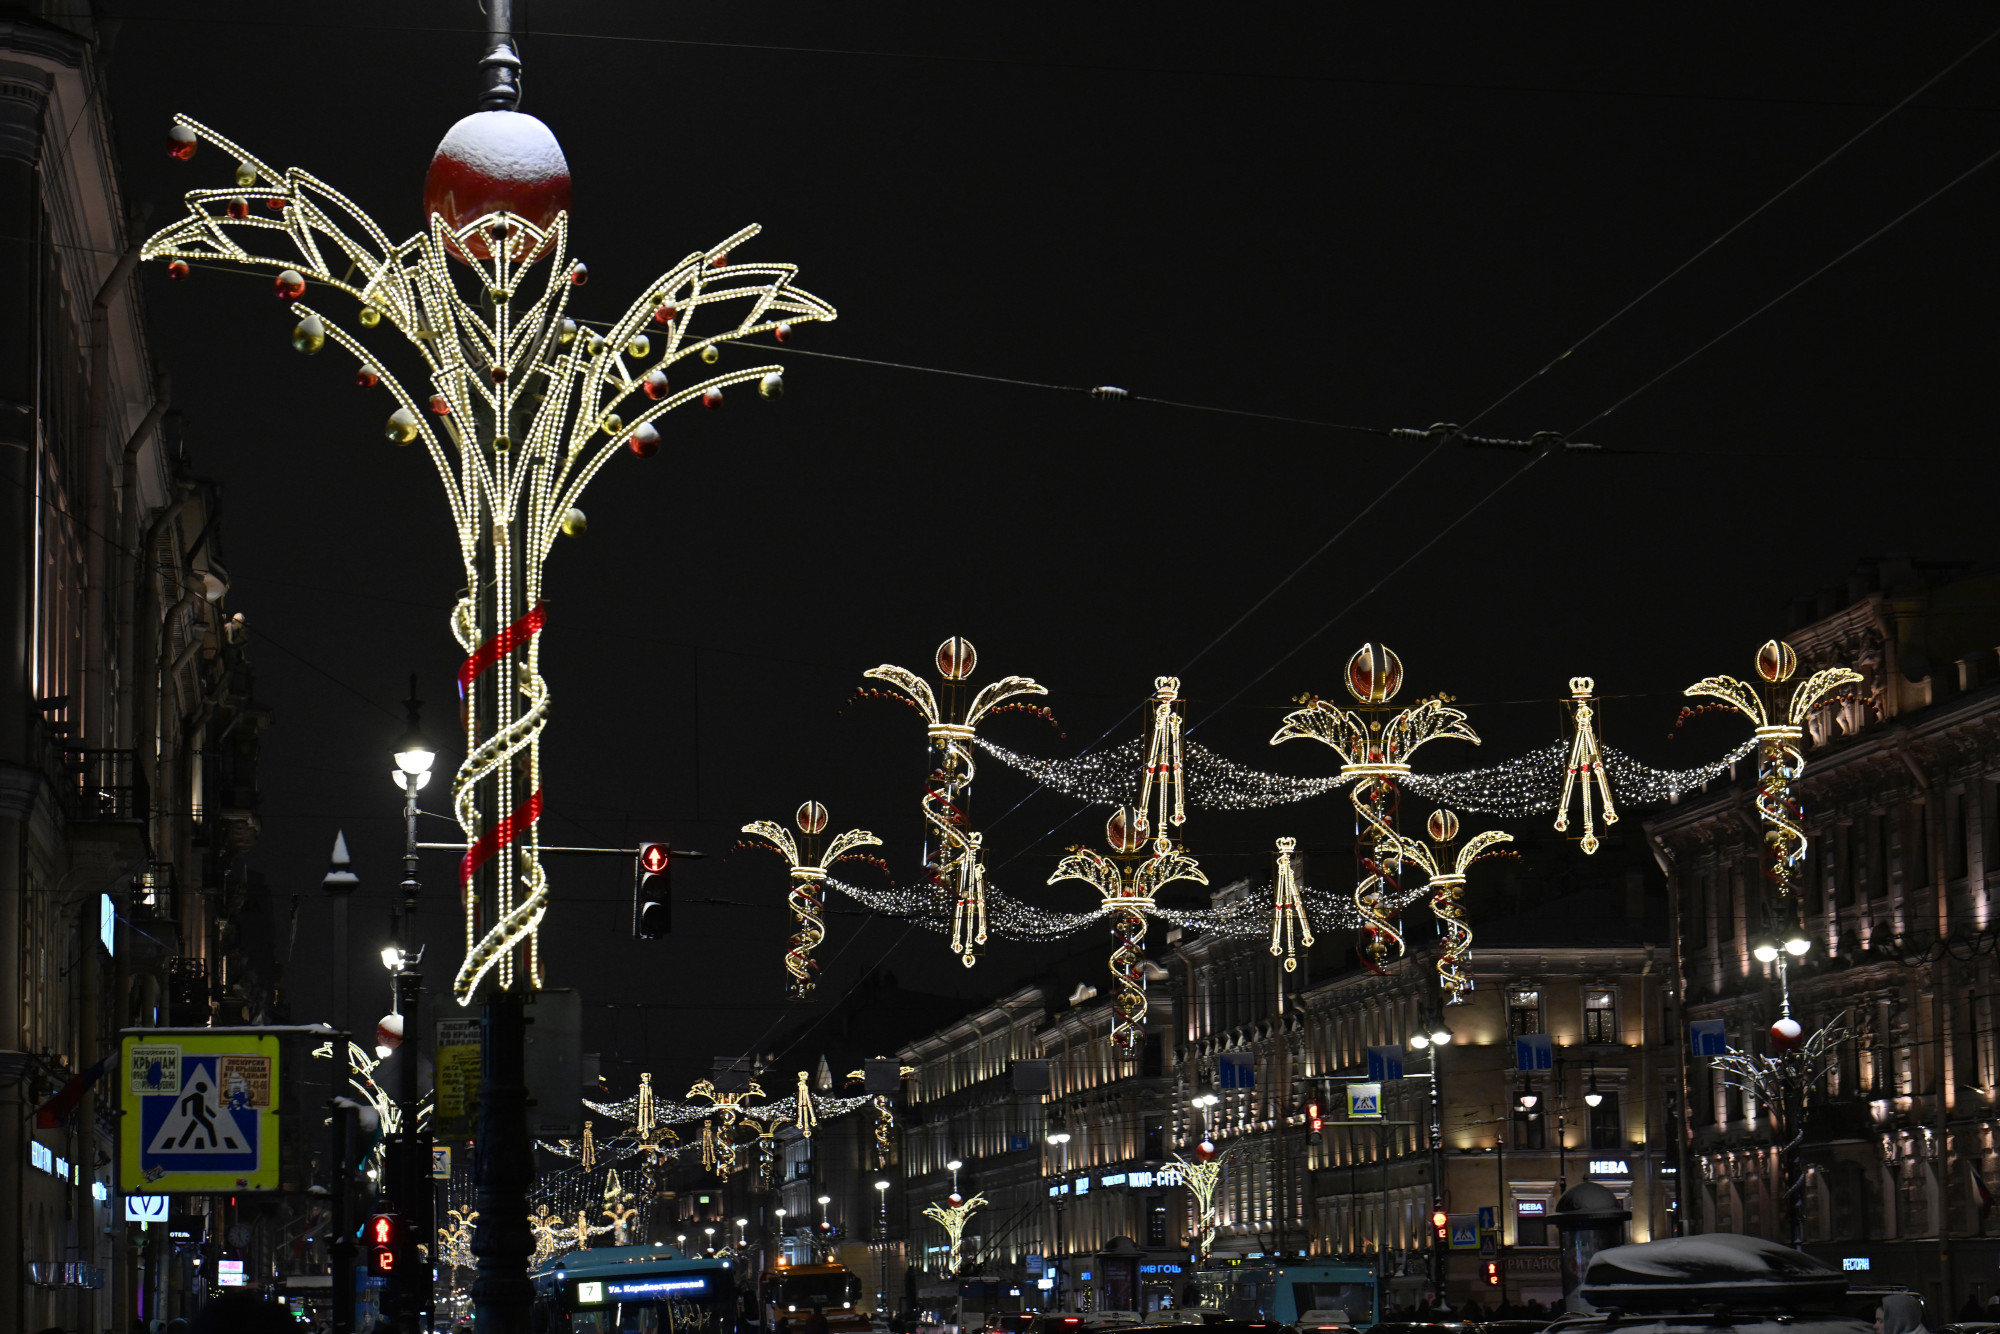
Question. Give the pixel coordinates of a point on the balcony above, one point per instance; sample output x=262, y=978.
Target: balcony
x=103, y=786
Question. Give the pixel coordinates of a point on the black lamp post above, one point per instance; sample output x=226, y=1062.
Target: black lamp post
x=411, y=1185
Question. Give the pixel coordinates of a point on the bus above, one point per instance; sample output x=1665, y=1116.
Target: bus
x=1284, y=1290
x=787, y=1294
x=634, y=1290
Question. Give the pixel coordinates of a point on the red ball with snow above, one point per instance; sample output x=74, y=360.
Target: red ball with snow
x=1785, y=1035
x=497, y=162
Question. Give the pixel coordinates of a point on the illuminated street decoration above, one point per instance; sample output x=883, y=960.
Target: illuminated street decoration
x=952, y=1217
x=1288, y=907
x=718, y=1132
x=809, y=869
x=1447, y=890
x=955, y=861
x=804, y=1098
x=1586, y=767
x=1201, y=1176
x=885, y=1116
x=619, y=1210
x=1780, y=728
x=1375, y=754
x=1165, y=761
x=523, y=407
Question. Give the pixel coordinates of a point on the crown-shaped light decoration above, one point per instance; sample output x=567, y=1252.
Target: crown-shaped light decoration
x=955, y=862
x=1447, y=895
x=1780, y=728
x=1375, y=753
x=809, y=867
x=1290, y=927
x=952, y=1217
x=524, y=406
x=1586, y=767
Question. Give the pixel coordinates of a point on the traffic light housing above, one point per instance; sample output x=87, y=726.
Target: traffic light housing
x=381, y=1238
x=1492, y=1273
x=653, y=891
x=1314, y=1121
x=1440, y=1225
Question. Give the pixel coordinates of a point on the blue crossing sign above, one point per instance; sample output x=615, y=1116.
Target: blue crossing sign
x=1463, y=1231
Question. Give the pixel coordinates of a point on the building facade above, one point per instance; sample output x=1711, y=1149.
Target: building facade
x=128, y=733
x=1899, y=794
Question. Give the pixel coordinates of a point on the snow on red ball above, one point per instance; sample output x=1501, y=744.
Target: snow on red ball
x=664, y=314
x=497, y=162
x=712, y=398
x=177, y=268
x=290, y=285
x=782, y=333
x=1785, y=1035
x=181, y=142
x=367, y=377
x=238, y=209
x=656, y=385
x=645, y=441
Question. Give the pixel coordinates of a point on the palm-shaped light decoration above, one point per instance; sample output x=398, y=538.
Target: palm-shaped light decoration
x=952, y=1216
x=1203, y=1173
x=809, y=868
x=885, y=1116
x=718, y=1133
x=1447, y=888
x=523, y=408
x=1129, y=887
x=955, y=861
x=1780, y=728
x=1374, y=754
x=1586, y=767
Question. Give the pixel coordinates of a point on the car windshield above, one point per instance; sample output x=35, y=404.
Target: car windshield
x=826, y=1291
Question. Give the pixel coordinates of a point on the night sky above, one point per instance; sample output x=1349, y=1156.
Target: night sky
x=1386, y=219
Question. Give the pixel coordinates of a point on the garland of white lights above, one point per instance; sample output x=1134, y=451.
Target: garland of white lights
x=528, y=408
x=1526, y=785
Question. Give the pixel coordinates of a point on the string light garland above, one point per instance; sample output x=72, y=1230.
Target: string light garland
x=1530, y=784
x=1376, y=754
x=522, y=412
x=1780, y=728
x=955, y=862
x=1104, y=778
x=1586, y=766
x=808, y=872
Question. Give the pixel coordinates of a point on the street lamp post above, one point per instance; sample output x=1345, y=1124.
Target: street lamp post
x=1060, y=1138
x=882, y=1242
x=1434, y=1041
x=412, y=1186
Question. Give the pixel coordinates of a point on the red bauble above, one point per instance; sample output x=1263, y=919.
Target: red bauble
x=497, y=162
x=275, y=204
x=499, y=375
x=290, y=285
x=1785, y=1035
x=655, y=385
x=181, y=142
x=177, y=268
x=665, y=312
x=712, y=398
x=367, y=377
x=237, y=208
x=1205, y=1151
x=721, y=259
x=389, y=1031
x=954, y=1199
x=440, y=405
x=782, y=333
x=579, y=274
x=645, y=441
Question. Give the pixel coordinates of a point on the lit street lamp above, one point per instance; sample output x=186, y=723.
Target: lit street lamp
x=409, y=1184
x=882, y=1241
x=1433, y=1039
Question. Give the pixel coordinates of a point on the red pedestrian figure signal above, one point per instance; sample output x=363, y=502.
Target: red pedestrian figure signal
x=1314, y=1121
x=382, y=1240
x=1440, y=1225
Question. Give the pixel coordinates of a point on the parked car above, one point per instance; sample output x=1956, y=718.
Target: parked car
x=1715, y=1283
x=1323, y=1317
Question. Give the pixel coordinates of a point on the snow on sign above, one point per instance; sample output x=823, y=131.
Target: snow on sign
x=201, y=1112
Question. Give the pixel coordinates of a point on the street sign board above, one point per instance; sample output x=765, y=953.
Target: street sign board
x=1489, y=1243
x=1463, y=1230
x=1385, y=1063
x=200, y=1112
x=1487, y=1221
x=1364, y=1102
x=457, y=1064
x=146, y=1208
x=441, y=1162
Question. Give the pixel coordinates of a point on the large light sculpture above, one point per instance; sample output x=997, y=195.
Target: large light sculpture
x=1128, y=887
x=523, y=407
x=951, y=726
x=718, y=1132
x=809, y=869
x=1374, y=755
x=1780, y=728
x=1290, y=927
x=1446, y=873
x=952, y=1216
x=1585, y=769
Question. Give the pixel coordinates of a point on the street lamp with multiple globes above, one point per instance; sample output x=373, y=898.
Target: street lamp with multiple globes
x=524, y=407
x=1432, y=1037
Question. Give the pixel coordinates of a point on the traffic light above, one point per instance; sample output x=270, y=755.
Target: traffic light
x=1440, y=1225
x=1314, y=1121
x=383, y=1233
x=1492, y=1273
x=653, y=891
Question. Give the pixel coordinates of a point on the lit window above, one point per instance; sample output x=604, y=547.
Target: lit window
x=1600, y=1015
x=1524, y=1010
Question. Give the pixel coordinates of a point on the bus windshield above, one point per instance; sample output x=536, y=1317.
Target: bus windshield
x=626, y=1290
x=830, y=1291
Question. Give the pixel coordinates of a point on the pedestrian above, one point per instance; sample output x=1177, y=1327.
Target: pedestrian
x=1900, y=1313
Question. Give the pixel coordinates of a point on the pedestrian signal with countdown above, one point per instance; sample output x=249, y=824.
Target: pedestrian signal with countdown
x=1492, y=1273
x=653, y=896
x=1440, y=1225
x=1314, y=1121
x=384, y=1231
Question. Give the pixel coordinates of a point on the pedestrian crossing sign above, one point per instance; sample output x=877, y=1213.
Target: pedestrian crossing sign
x=200, y=1111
